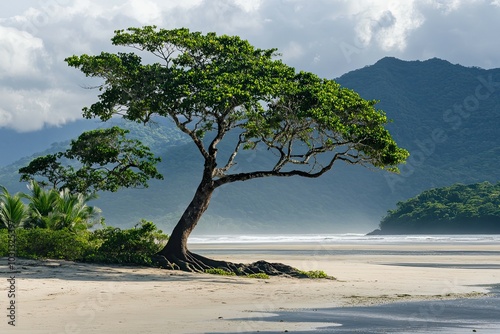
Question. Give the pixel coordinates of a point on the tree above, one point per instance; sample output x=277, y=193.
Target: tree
x=73, y=213
x=13, y=212
x=105, y=160
x=57, y=210
x=42, y=204
x=212, y=86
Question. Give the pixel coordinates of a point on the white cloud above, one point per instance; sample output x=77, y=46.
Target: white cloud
x=222, y=16
x=328, y=37
x=293, y=50
x=21, y=54
x=185, y=4
x=249, y=6
x=30, y=110
x=386, y=24
x=145, y=12
x=448, y=6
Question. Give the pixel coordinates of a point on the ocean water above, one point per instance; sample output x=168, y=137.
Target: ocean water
x=345, y=238
x=354, y=244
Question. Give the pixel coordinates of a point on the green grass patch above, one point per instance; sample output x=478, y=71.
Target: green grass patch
x=258, y=275
x=315, y=274
x=218, y=271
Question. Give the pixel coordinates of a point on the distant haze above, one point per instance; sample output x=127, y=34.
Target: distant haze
x=15, y=145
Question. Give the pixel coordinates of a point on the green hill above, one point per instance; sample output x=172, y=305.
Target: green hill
x=456, y=209
x=435, y=116
x=446, y=115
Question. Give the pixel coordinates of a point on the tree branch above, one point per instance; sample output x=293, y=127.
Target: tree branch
x=260, y=174
x=198, y=142
x=230, y=162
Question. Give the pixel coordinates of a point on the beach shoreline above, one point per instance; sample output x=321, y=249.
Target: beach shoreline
x=66, y=297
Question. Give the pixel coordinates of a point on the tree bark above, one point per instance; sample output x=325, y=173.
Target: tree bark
x=177, y=242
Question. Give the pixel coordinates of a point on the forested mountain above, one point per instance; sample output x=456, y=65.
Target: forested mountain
x=456, y=209
x=446, y=115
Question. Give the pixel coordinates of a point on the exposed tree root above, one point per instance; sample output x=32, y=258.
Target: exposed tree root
x=196, y=263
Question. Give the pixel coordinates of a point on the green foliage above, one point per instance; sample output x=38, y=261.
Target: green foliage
x=58, y=227
x=459, y=208
x=42, y=204
x=218, y=271
x=13, y=212
x=258, y=275
x=60, y=244
x=60, y=209
x=210, y=86
x=217, y=84
x=108, y=245
x=73, y=213
x=4, y=242
x=105, y=160
x=49, y=168
x=315, y=274
x=132, y=246
x=312, y=110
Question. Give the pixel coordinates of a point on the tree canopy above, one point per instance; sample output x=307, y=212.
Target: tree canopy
x=209, y=83
x=102, y=159
x=210, y=86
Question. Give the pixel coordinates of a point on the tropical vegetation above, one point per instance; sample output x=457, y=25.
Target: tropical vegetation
x=59, y=224
x=459, y=208
x=102, y=160
x=13, y=212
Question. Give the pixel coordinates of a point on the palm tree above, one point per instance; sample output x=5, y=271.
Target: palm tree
x=42, y=205
x=57, y=210
x=73, y=213
x=13, y=212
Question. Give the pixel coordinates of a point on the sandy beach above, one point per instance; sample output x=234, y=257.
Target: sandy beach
x=66, y=297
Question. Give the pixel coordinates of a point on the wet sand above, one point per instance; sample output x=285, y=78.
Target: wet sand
x=471, y=315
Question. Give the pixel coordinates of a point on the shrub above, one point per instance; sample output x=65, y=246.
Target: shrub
x=131, y=246
x=60, y=244
x=218, y=271
x=258, y=275
x=108, y=245
x=315, y=274
x=4, y=242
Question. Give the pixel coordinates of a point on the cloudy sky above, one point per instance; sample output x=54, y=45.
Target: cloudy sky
x=328, y=37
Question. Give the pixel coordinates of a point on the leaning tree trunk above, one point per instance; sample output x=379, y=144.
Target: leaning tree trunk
x=175, y=254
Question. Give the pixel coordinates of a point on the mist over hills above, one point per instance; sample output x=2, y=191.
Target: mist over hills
x=446, y=115
x=17, y=145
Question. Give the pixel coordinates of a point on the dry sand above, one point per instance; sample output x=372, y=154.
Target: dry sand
x=65, y=297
